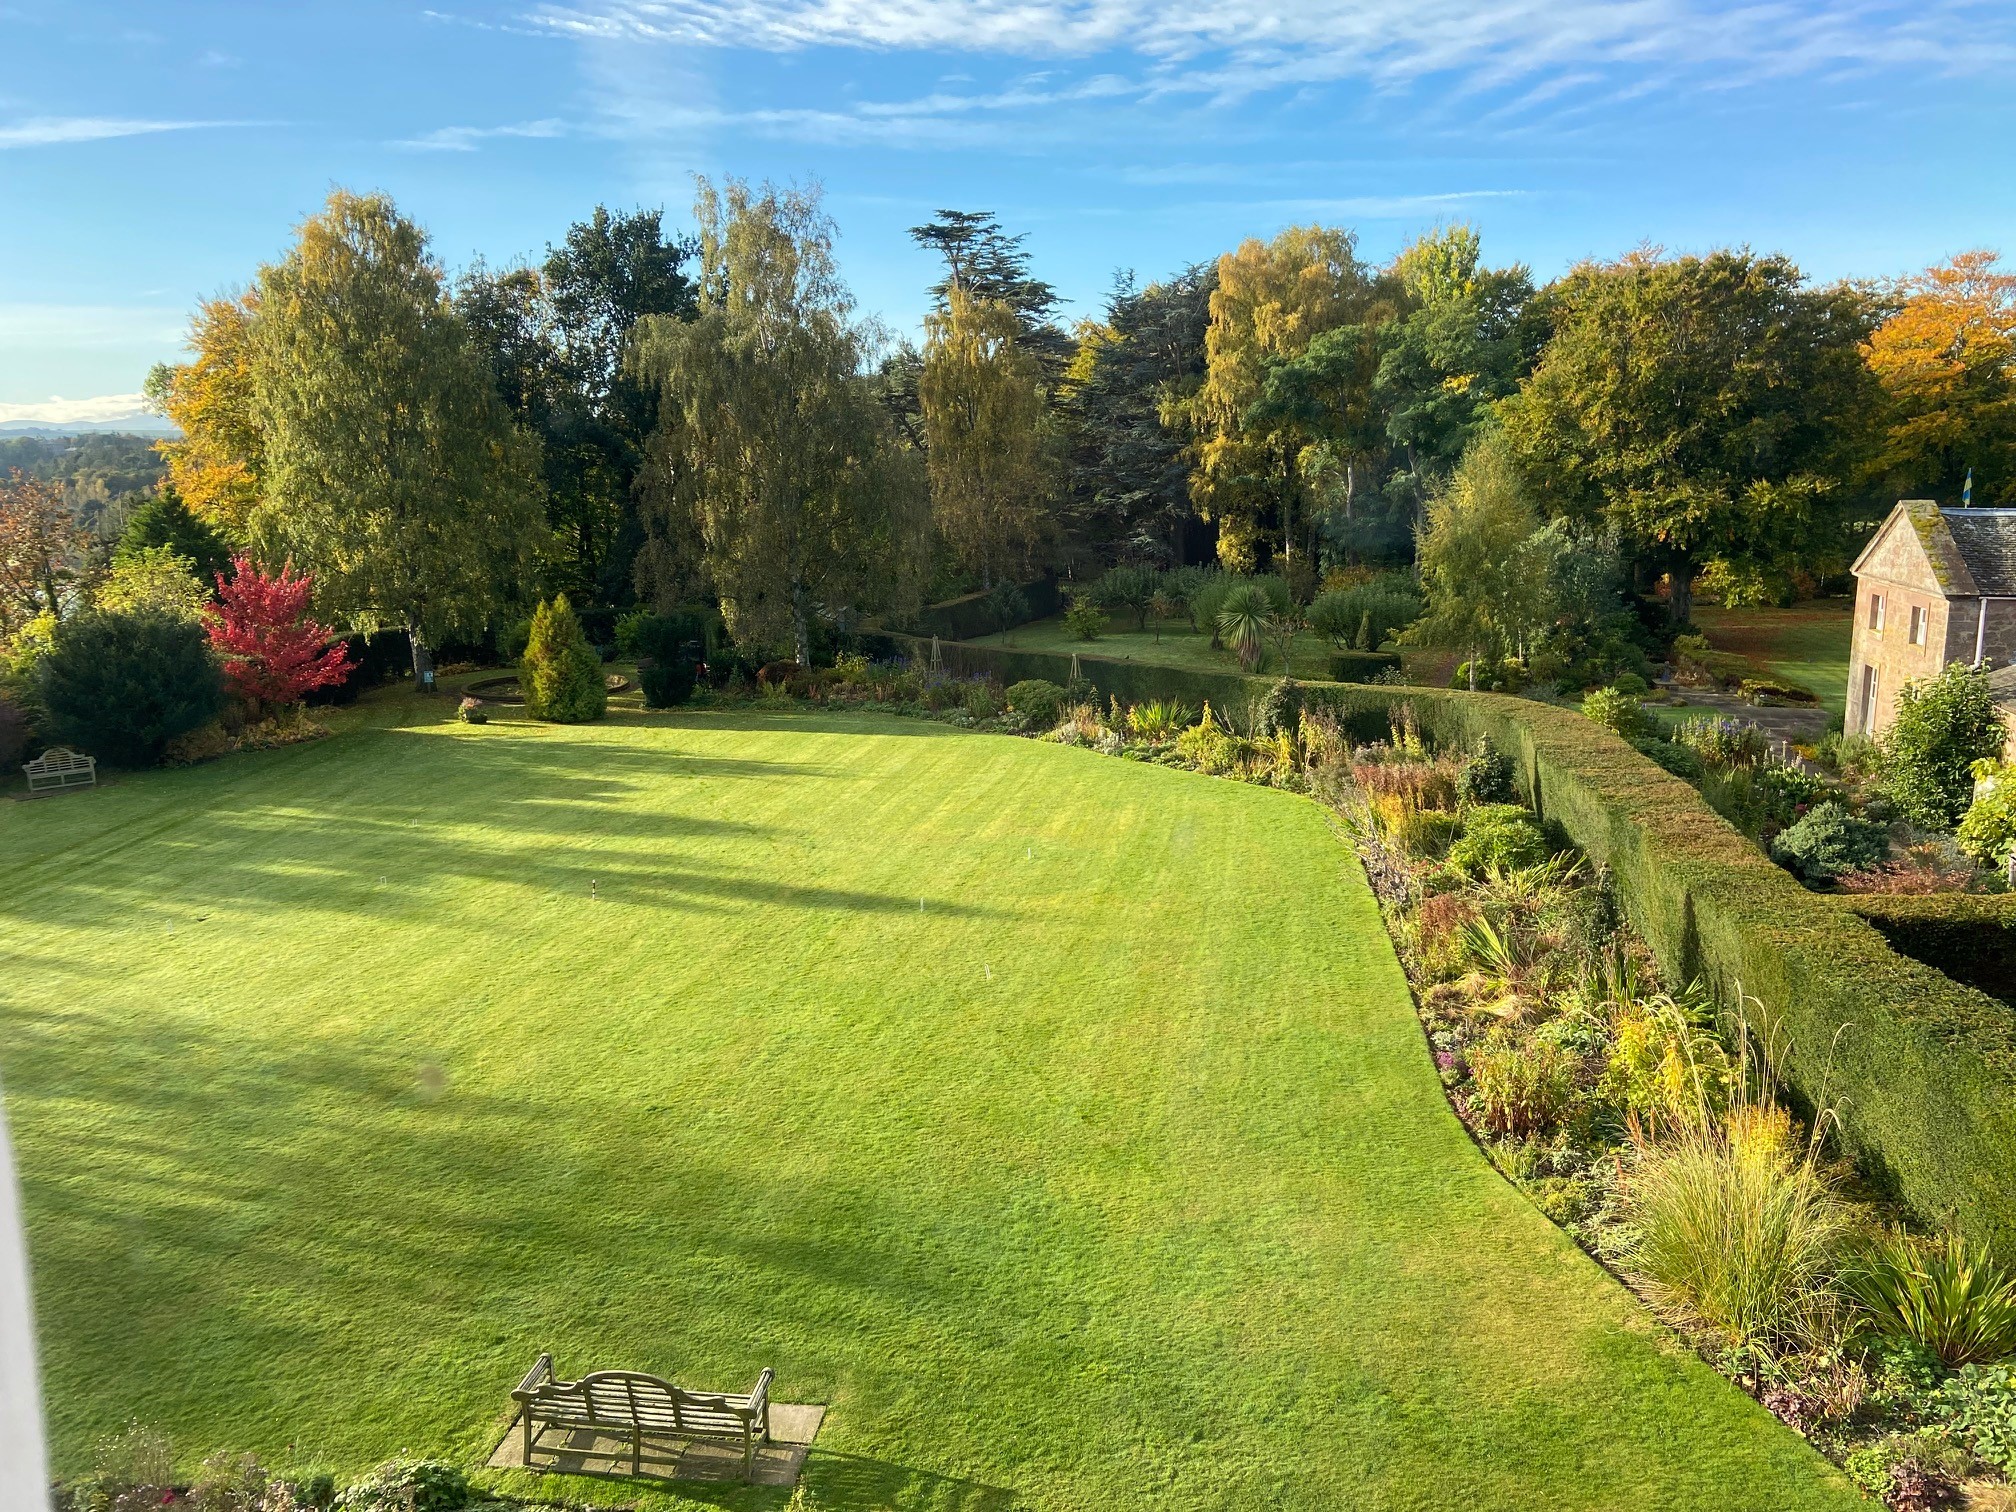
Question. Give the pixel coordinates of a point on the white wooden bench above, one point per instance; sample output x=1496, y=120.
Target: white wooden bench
x=628, y=1405
x=61, y=768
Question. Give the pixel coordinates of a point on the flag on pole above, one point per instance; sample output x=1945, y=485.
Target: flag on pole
x=1967, y=491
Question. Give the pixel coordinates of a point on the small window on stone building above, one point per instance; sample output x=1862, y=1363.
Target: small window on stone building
x=1869, y=700
x=1876, y=611
x=1918, y=618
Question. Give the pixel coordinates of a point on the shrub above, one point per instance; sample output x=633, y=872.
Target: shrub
x=1038, y=701
x=470, y=711
x=1988, y=831
x=1617, y=712
x=1944, y=725
x=1365, y=617
x=981, y=701
x=408, y=1485
x=667, y=648
x=1664, y=1064
x=153, y=578
x=1281, y=709
x=1630, y=684
x=561, y=674
x=1730, y=1227
x=1790, y=785
x=1828, y=842
x=13, y=738
x=229, y=1483
x=123, y=685
x=1486, y=777
x=1724, y=743
x=1084, y=618
x=1498, y=835
x=1521, y=1088
x=1977, y=1405
x=1944, y=1294
x=273, y=651
x=1674, y=757
x=1424, y=834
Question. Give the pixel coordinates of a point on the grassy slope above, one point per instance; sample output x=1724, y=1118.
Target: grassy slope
x=1807, y=642
x=337, y=1098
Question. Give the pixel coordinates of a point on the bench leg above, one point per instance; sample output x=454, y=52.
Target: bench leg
x=637, y=1452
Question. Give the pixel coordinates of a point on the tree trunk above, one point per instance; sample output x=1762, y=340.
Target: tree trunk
x=1350, y=485
x=1473, y=668
x=423, y=660
x=801, y=627
x=1680, y=592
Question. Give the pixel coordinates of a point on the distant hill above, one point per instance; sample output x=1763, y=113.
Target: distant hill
x=146, y=426
x=103, y=474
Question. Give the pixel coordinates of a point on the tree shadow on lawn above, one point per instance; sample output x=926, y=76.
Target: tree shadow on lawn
x=853, y=1480
x=253, y=1243
x=579, y=835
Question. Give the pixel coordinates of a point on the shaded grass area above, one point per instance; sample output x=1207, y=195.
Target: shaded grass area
x=1808, y=643
x=347, y=1077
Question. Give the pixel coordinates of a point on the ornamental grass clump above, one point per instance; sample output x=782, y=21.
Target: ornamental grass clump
x=1943, y=1294
x=1732, y=1227
x=560, y=673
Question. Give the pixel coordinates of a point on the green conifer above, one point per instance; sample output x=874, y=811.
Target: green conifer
x=561, y=674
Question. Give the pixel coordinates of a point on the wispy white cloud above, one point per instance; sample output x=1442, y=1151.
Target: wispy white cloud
x=1238, y=46
x=50, y=131
x=105, y=409
x=466, y=138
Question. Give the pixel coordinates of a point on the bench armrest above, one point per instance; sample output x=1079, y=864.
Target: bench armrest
x=541, y=1374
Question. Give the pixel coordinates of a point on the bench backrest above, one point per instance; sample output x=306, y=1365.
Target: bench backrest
x=628, y=1398
x=49, y=763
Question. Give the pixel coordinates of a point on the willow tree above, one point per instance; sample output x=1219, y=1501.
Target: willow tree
x=391, y=471
x=1271, y=300
x=773, y=476
x=981, y=395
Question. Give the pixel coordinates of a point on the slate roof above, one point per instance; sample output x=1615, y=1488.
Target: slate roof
x=1986, y=541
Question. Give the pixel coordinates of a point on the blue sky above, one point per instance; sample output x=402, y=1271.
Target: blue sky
x=152, y=154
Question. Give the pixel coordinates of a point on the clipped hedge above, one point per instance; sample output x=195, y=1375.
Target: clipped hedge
x=965, y=618
x=1137, y=682
x=1969, y=936
x=1919, y=1069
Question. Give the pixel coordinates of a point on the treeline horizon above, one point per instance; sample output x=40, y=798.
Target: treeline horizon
x=659, y=417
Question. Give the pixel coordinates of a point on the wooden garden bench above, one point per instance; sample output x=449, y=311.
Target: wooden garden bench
x=61, y=768
x=628, y=1405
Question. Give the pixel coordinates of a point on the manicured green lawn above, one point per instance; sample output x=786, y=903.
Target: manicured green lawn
x=347, y=1077
x=1177, y=646
x=1807, y=642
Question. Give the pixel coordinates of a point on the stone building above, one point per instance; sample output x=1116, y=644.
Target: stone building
x=1933, y=586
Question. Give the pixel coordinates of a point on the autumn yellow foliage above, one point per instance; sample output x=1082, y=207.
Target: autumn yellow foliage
x=215, y=465
x=1947, y=361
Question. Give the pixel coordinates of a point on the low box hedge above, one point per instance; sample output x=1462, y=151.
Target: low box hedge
x=1918, y=1069
x=1971, y=937
x=1135, y=681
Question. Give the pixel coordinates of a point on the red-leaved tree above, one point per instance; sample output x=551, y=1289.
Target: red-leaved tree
x=273, y=652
